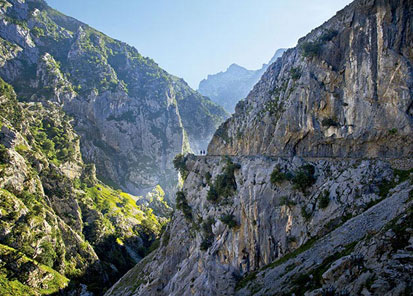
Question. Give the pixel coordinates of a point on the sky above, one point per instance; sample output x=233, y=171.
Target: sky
x=194, y=38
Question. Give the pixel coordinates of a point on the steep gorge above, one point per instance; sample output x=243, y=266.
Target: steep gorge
x=308, y=187
x=84, y=119
x=132, y=116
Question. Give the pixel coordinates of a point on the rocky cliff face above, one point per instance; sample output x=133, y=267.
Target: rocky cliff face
x=229, y=87
x=270, y=232
x=132, y=116
x=316, y=196
x=345, y=90
x=61, y=229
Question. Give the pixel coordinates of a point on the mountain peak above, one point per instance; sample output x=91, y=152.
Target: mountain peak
x=229, y=87
x=235, y=67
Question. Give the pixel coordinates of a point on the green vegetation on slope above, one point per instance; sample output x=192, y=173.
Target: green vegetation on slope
x=55, y=214
x=225, y=184
x=67, y=62
x=13, y=276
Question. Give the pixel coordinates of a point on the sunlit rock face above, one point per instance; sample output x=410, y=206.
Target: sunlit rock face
x=345, y=90
x=133, y=117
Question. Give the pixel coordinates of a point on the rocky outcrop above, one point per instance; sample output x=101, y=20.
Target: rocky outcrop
x=344, y=253
x=39, y=278
x=229, y=87
x=345, y=90
x=132, y=116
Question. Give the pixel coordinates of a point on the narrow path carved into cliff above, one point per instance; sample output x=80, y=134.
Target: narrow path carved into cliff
x=405, y=163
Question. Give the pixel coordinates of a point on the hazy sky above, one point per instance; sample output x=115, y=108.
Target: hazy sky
x=194, y=38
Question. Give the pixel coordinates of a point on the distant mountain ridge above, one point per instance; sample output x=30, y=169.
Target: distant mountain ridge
x=229, y=87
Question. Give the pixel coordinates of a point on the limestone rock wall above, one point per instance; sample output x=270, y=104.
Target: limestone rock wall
x=346, y=90
x=271, y=222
